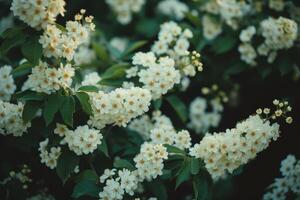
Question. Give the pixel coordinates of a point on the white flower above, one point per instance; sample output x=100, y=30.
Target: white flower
x=173, y=8
x=247, y=34
x=49, y=157
x=7, y=85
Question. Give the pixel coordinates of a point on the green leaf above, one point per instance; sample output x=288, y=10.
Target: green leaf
x=158, y=189
x=236, y=68
x=179, y=107
x=103, y=147
x=86, y=188
x=88, y=88
x=224, y=44
x=52, y=105
x=32, y=50
x=66, y=164
x=22, y=69
x=84, y=100
x=195, y=166
x=184, y=173
x=12, y=39
x=173, y=149
x=157, y=104
x=101, y=52
x=87, y=175
x=200, y=187
x=29, y=95
x=134, y=47
x=67, y=110
x=115, y=71
x=122, y=163
x=196, y=20
x=30, y=110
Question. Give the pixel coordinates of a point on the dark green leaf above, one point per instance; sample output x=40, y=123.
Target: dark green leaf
x=134, y=47
x=195, y=166
x=157, y=104
x=115, y=71
x=52, y=105
x=173, y=149
x=86, y=188
x=196, y=20
x=66, y=164
x=122, y=163
x=200, y=187
x=67, y=110
x=30, y=110
x=178, y=106
x=87, y=175
x=103, y=147
x=32, y=50
x=101, y=52
x=224, y=43
x=29, y=95
x=84, y=100
x=88, y=88
x=158, y=188
x=184, y=173
x=22, y=69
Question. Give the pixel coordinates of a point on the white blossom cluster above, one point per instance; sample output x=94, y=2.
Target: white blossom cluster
x=82, y=140
x=119, y=106
x=22, y=175
x=46, y=79
x=49, y=156
x=7, y=85
x=119, y=43
x=280, y=33
x=289, y=182
x=124, y=9
x=144, y=124
x=173, y=8
x=38, y=13
x=173, y=41
x=211, y=27
x=63, y=44
x=11, y=121
x=201, y=118
x=277, y=5
x=84, y=55
x=149, y=165
x=224, y=152
x=157, y=76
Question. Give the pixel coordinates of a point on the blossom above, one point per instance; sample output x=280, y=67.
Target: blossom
x=173, y=8
x=7, y=85
x=49, y=156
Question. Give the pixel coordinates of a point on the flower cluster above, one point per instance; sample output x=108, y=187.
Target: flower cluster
x=211, y=27
x=119, y=106
x=280, y=33
x=277, y=5
x=7, y=85
x=125, y=9
x=225, y=152
x=38, y=13
x=63, y=43
x=82, y=140
x=49, y=156
x=149, y=165
x=157, y=76
x=49, y=79
x=281, y=110
x=202, y=119
x=21, y=175
x=11, y=121
x=173, y=8
x=289, y=182
x=84, y=55
x=173, y=41
x=144, y=124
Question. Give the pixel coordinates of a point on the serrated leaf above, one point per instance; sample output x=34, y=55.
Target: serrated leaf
x=32, y=50
x=179, y=107
x=86, y=188
x=84, y=100
x=67, y=110
x=184, y=173
x=66, y=164
x=122, y=163
x=52, y=105
x=30, y=110
x=195, y=166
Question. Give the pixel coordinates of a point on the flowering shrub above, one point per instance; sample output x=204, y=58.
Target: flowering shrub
x=147, y=99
